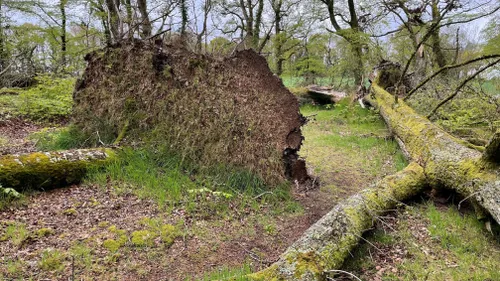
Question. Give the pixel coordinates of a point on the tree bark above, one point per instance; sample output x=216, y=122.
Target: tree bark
x=45, y=170
x=113, y=20
x=145, y=23
x=326, y=244
x=448, y=162
x=62, y=7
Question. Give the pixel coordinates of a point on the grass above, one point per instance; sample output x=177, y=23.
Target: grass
x=50, y=100
x=203, y=191
x=52, y=260
x=233, y=274
x=355, y=137
x=51, y=139
x=442, y=244
x=16, y=233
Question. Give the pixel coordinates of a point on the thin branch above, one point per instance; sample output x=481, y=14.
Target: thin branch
x=430, y=77
x=450, y=97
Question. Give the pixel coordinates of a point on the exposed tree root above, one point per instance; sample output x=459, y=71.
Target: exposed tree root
x=45, y=170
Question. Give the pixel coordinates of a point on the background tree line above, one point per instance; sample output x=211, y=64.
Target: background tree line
x=339, y=41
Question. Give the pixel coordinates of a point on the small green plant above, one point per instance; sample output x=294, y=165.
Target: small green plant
x=43, y=232
x=143, y=238
x=81, y=254
x=51, y=260
x=111, y=245
x=70, y=212
x=15, y=232
x=14, y=268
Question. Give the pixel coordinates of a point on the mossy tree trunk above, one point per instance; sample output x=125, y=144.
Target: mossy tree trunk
x=437, y=159
x=326, y=244
x=45, y=170
x=448, y=162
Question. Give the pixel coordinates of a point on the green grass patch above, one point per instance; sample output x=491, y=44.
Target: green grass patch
x=63, y=138
x=50, y=100
x=454, y=246
x=226, y=273
x=205, y=191
x=349, y=146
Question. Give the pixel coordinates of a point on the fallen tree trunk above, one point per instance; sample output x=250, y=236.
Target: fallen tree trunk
x=438, y=159
x=45, y=170
x=327, y=243
x=448, y=162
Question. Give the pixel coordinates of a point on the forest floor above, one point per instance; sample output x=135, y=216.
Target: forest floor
x=118, y=224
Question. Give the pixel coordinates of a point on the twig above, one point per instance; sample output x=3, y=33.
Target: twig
x=457, y=90
x=460, y=203
x=255, y=256
x=262, y=194
x=447, y=68
x=371, y=244
x=99, y=138
x=341, y=271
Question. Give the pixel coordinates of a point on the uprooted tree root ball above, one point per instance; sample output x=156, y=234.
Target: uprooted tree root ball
x=232, y=111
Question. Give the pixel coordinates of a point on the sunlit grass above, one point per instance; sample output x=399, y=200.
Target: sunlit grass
x=348, y=146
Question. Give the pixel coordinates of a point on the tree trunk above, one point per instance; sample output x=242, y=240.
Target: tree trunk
x=45, y=170
x=326, y=244
x=448, y=162
x=130, y=19
x=62, y=7
x=184, y=16
x=439, y=57
x=113, y=20
x=145, y=23
x=438, y=159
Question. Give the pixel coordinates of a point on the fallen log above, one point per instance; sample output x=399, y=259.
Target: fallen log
x=438, y=159
x=448, y=162
x=326, y=244
x=325, y=95
x=45, y=170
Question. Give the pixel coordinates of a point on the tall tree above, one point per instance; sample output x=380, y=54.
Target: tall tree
x=146, y=27
x=62, y=7
x=349, y=27
x=247, y=18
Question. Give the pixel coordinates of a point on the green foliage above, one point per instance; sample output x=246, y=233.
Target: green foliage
x=225, y=273
x=50, y=100
x=205, y=191
x=82, y=255
x=472, y=114
x=143, y=238
x=9, y=196
x=220, y=46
